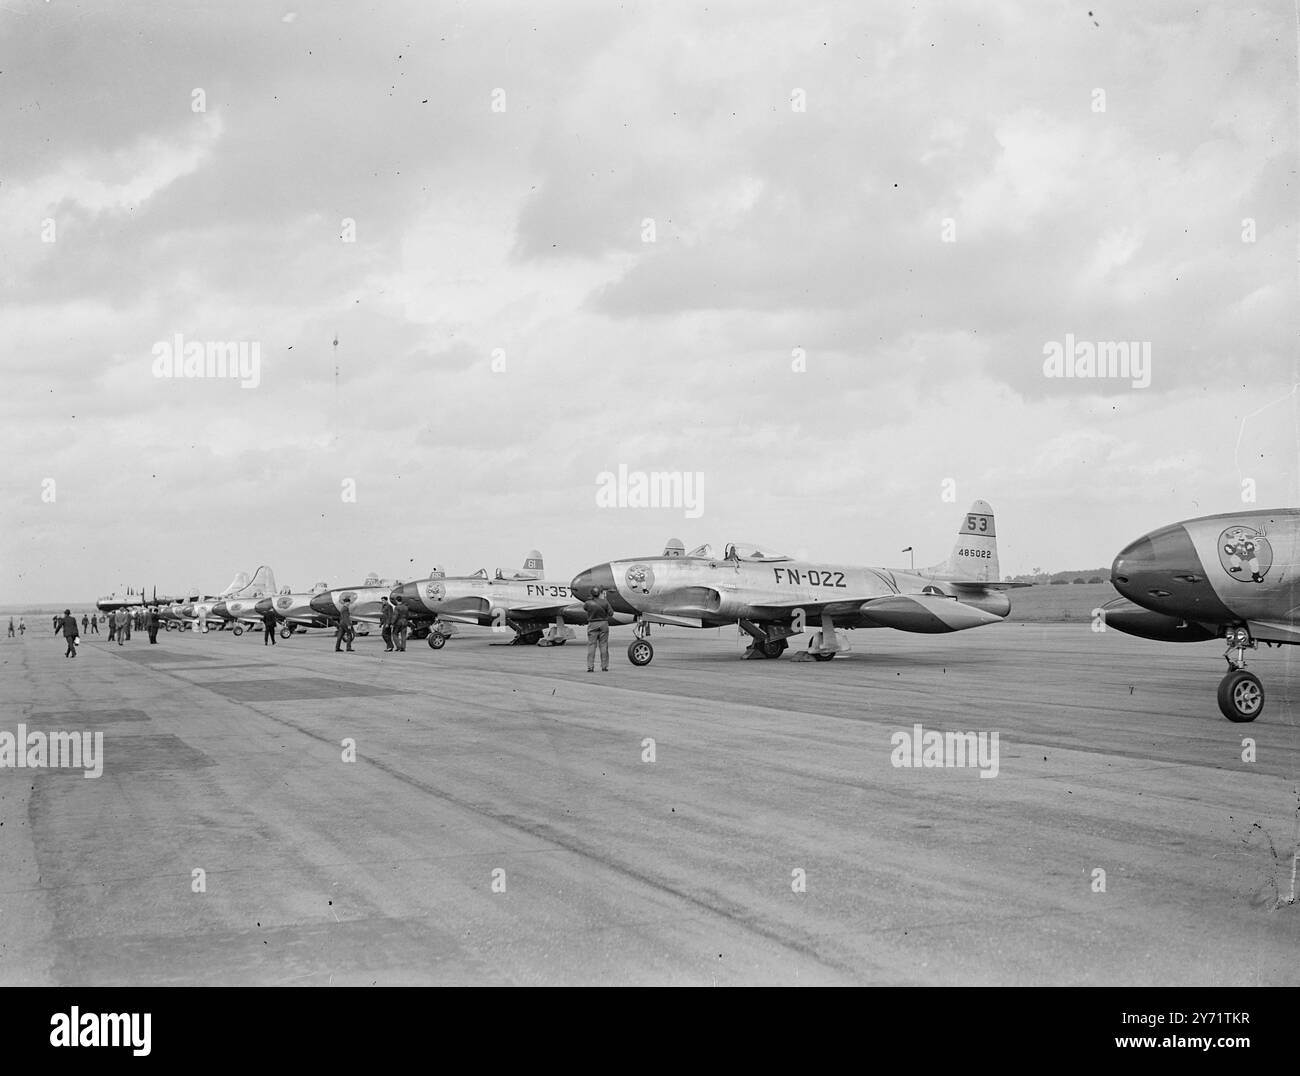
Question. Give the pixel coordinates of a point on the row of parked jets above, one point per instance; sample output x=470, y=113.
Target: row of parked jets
x=1231, y=576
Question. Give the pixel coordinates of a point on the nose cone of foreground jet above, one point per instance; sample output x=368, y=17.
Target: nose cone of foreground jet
x=1162, y=571
x=602, y=575
x=323, y=604
x=409, y=593
x=264, y=606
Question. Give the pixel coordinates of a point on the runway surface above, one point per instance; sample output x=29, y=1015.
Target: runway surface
x=501, y=822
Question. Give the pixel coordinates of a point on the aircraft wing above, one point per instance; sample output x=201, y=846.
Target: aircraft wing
x=925, y=613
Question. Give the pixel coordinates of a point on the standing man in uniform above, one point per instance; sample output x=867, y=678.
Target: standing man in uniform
x=22, y=628
x=70, y=633
x=85, y=623
x=386, y=617
x=112, y=627
x=11, y=627
x=120, y=619
x=400, y=615
x=269, y=621
x=151, y=623
x=344, y=633
x=94, y=624
x=598, y=614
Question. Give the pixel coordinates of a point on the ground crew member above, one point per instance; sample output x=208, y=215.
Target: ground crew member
x=121, y=620
x=151, y=623
x=400, y=615
x=70, y=633
x=94, y=625
x=386, y=617
x=85, y=622
x=598, y=614
x=11, y=627
x=22, y=628
x=269, y=621
x=344, y=633
x=112, y=627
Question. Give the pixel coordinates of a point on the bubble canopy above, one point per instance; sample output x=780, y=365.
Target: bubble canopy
x=751, y=551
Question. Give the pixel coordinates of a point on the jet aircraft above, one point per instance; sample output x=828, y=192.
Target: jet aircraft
x=241, y=608
x=534, y=608
x=773, y=597
x=295, y=610
x=365, y=600
x=1234, y=576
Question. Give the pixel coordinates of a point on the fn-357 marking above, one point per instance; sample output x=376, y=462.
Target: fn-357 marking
x=812, y=577
x=548, y=590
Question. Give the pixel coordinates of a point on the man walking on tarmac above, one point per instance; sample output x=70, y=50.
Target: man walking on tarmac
x=151, y=625
x=344, y=633
x=70, y=633
x=120, y=622
x=399, y=625
x=268, y=627
x=386, y=617
x=94, y=624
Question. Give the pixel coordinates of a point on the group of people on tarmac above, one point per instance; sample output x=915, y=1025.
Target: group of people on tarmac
x=394, y=620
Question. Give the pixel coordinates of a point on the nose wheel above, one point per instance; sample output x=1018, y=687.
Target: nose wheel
x=641, y=652
x=437, y=640
x=1241, y=696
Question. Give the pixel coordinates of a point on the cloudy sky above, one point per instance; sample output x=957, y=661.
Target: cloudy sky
x=814, y=252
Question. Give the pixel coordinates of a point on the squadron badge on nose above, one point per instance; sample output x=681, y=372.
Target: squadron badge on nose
x=640, y=578
x=434, y=591
x=1245, y=553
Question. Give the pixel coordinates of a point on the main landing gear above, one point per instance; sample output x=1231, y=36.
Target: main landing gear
x=1241, y=695
x=769, y=640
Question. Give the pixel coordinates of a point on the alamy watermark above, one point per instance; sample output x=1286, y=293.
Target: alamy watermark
x=1112, y=359
x=54, y=750
x=209, y=358
x=655, y=489
x=925, y=749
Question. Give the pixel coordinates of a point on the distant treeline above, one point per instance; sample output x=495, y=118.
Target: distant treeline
x=1091, y=575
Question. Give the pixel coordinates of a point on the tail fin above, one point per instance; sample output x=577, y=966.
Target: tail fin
x=263, y=584
x=533, y=567
x=236, y=585
x=974, y=557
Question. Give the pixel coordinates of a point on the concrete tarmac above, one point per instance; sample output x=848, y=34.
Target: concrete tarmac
x=502, y=821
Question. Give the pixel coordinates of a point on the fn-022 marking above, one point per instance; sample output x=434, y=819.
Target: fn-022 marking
x=812, y=577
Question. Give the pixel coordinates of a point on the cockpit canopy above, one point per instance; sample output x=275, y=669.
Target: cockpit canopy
x=751, y=551
x=705, y=551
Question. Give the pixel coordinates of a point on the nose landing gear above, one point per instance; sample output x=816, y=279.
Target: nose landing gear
x=1241, y=695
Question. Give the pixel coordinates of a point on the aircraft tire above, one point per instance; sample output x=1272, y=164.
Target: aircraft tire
x=285, y=632
x=238, y=630
x=437, y=640
x=1241, y=696
x=824, y=657
x=640, y=652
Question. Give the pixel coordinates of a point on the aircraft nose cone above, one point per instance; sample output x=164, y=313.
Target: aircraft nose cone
x=324, y=605
x=602, y=575
x=263, y=607
x=1163, y=572
x=408, y=593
